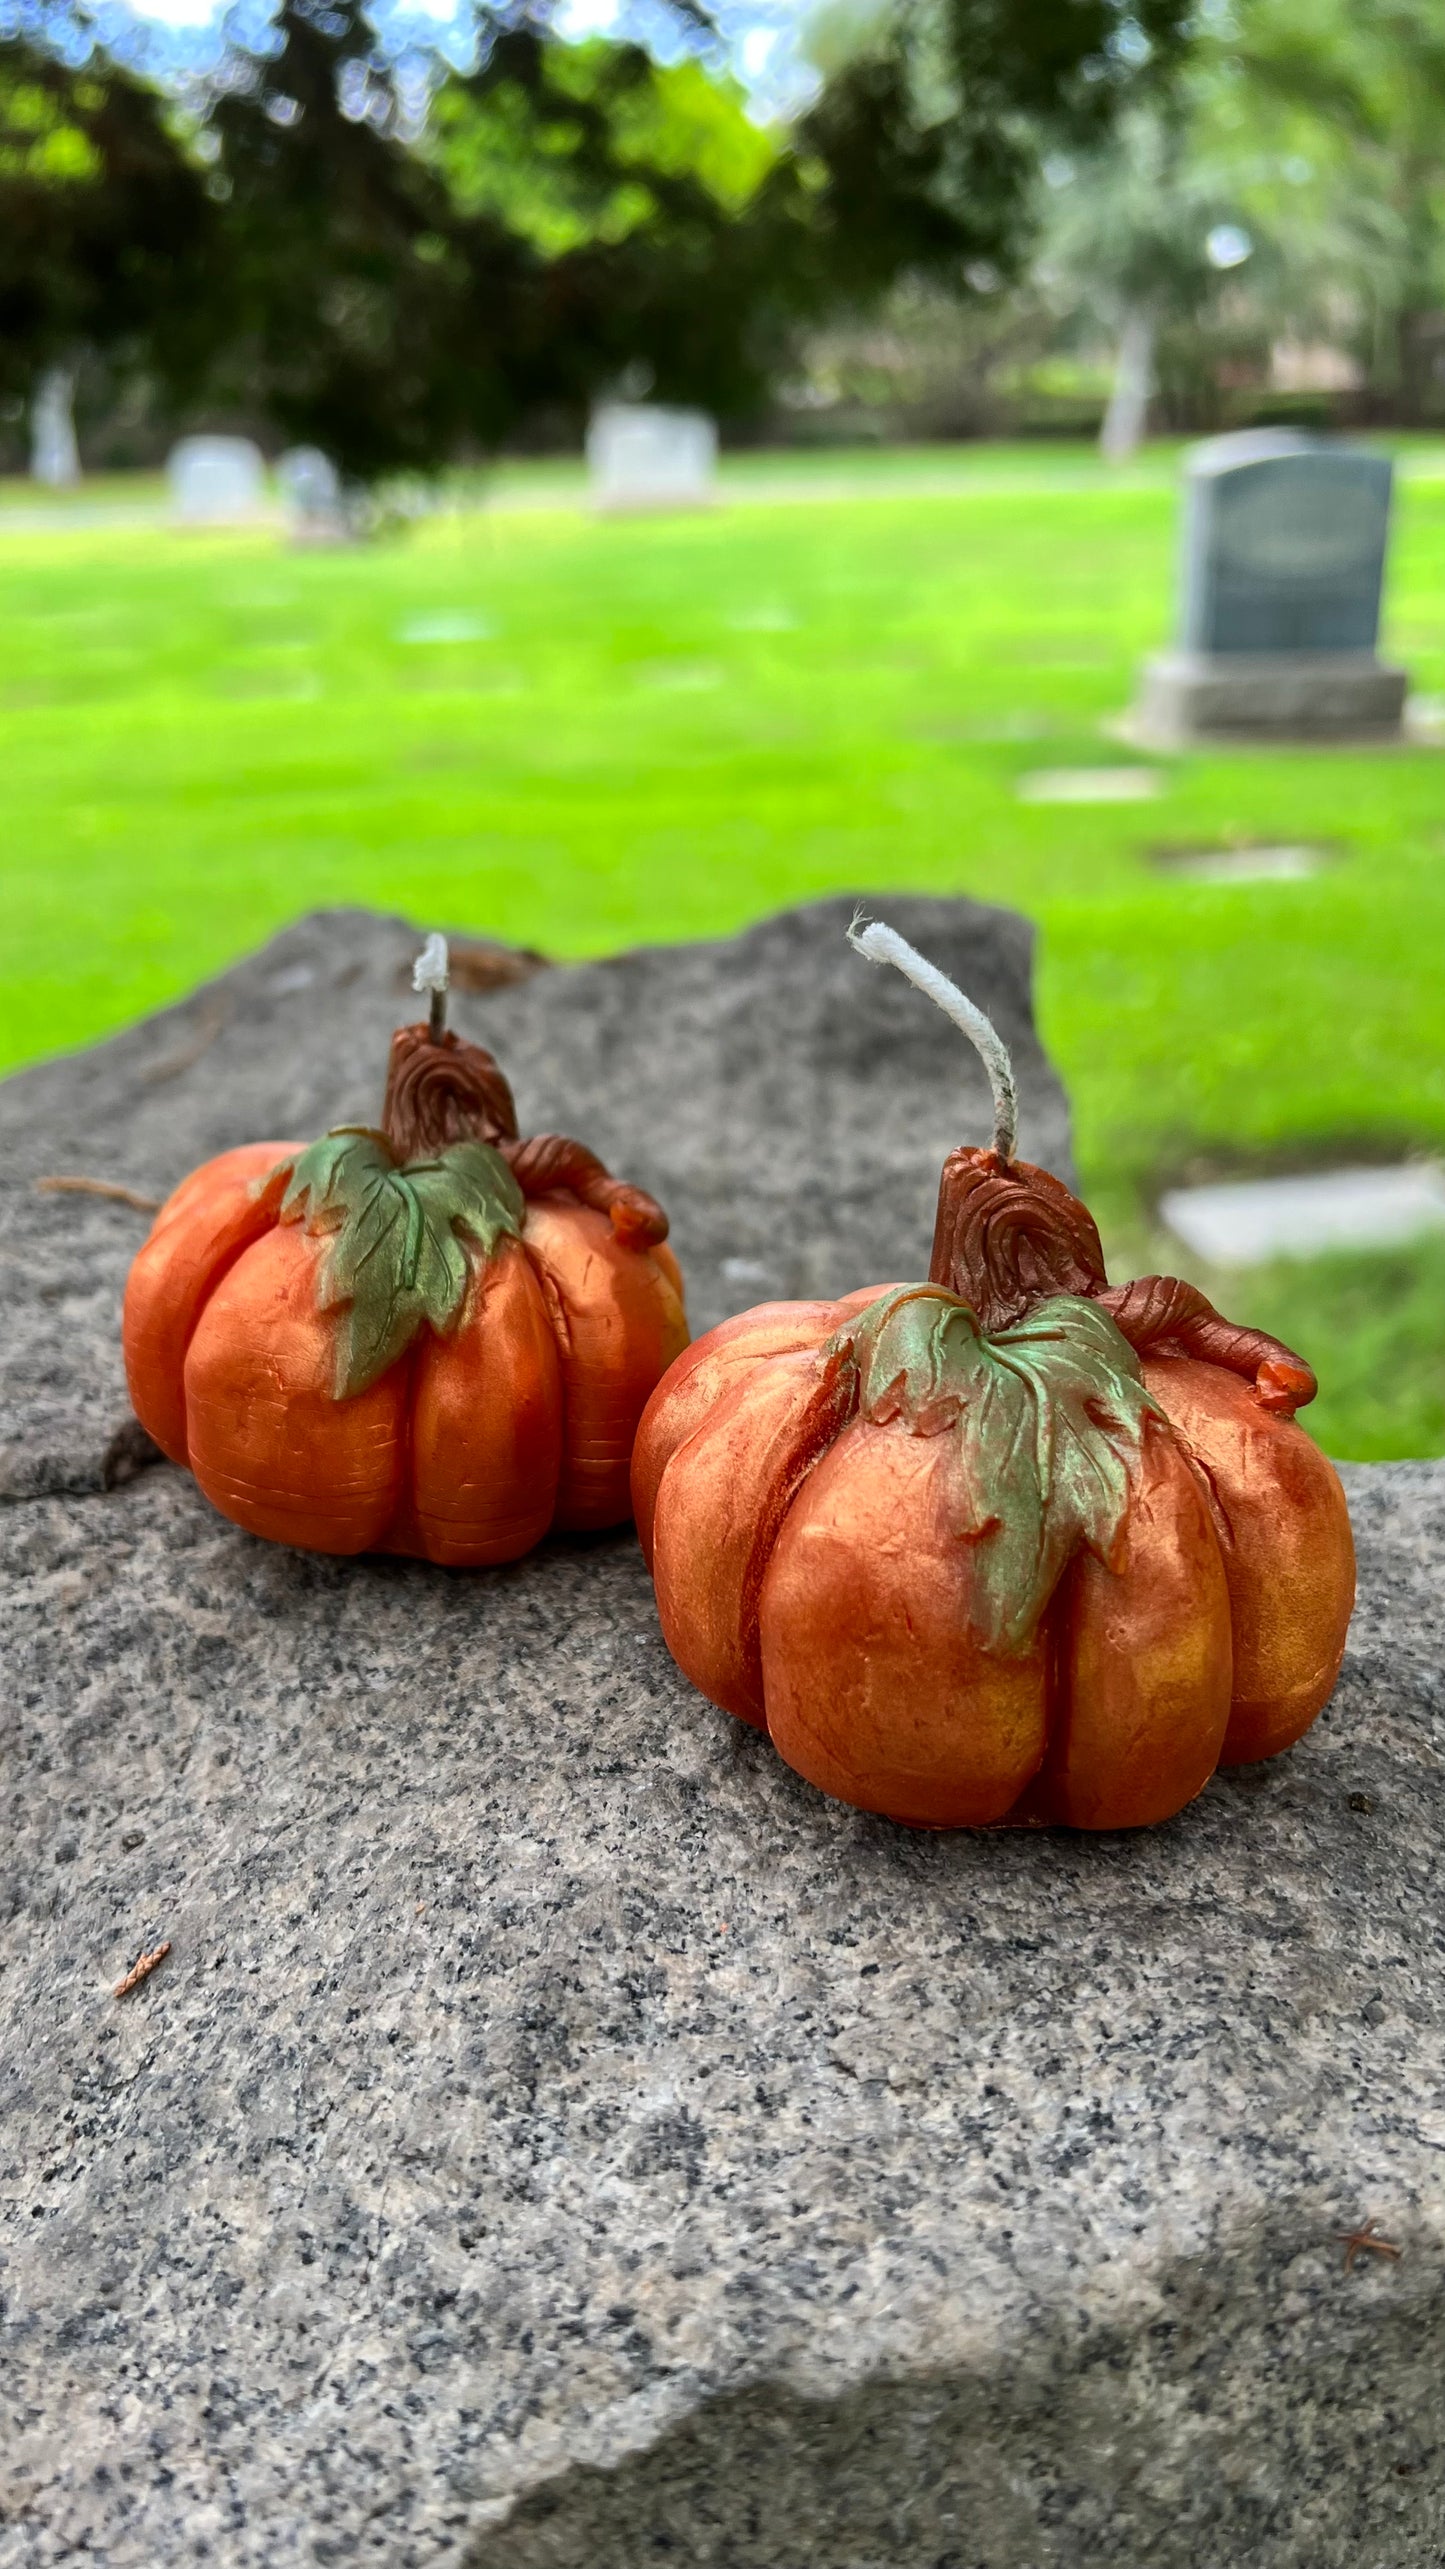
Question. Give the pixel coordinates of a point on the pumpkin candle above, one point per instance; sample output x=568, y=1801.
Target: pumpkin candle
x=1011, y=1545
x=432, y=1337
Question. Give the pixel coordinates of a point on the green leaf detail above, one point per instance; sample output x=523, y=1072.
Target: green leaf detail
x=1049, y=1418
x=395, y=1257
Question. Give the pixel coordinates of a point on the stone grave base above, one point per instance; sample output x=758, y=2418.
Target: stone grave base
x=1278, y=695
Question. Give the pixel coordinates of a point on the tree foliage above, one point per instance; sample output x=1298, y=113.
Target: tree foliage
x=656, y=231
x=344, y=290
x=395, y=262
x=934, y=114
x=1315, y=129
x=105, y=226
x=1344, y=100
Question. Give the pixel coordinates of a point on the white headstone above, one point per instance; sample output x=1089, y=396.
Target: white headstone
x=311, y=488
x=54, y=454
x=216, y=481
x=641, y=455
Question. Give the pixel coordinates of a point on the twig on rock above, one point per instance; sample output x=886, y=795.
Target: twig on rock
x=142, y=1970
x=98, y=1186
x=1364, y=2237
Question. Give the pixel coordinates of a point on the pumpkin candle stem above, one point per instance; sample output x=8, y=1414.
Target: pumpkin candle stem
x=430, y=973
x=879, y=944
x=1008, y=1235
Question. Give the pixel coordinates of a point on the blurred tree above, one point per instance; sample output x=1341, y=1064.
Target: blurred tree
x=105, y=232
x=422, y=264
x=1143, y=246
x=656, y=234
x=1287, y=193
x=393, y=261
x=414, y=266
x=1345, y=100
x=344, y=290
x=933, y=117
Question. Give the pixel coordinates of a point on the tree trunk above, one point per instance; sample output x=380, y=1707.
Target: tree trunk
x=54, y=454
x=1128, y=411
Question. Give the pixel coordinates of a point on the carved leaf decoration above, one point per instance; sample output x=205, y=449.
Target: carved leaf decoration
x=395, y=1257
x=1048, y=1418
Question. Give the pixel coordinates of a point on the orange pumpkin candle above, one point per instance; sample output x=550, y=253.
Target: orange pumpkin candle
x=433, y=1338
x=1012, y=1545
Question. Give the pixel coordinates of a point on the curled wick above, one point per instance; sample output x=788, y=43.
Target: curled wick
x=880, y=944
x=429, y=972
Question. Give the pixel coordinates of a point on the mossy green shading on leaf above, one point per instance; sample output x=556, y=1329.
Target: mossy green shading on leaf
x=1049, y=1417
x=395, y=1257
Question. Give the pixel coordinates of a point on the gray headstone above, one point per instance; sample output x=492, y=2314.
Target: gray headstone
x=310, y=486
x=642, y=455
x=1283, y=545
x=1282, y=560
x=560, y=2139
x=216, y=481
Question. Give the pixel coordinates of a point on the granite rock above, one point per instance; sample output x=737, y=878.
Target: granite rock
x=559, y=2139
x=789, y=1103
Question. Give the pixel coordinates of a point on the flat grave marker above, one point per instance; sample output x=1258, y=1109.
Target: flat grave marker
x=1287, y=863
x=1090, y=784
x=1298, y=1217
x=447, y=626
x=763, y=619
x=680, y=677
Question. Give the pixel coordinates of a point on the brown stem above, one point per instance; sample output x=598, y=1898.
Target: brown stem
x=1009, y=1235
x=440, y=1092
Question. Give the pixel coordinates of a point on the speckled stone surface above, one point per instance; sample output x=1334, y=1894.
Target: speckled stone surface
x=789, y=1103
x=557, y=2137
x=560, y=2140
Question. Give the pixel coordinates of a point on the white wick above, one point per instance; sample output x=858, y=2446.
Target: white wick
x=884, y=945
x=429, y=972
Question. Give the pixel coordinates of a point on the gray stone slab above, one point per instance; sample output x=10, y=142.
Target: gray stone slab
x=1285, y=695
x=216, y=481
x=559, y=2140
x=788, y=1103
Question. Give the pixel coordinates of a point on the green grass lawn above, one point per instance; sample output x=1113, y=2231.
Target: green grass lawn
x=669, y=726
